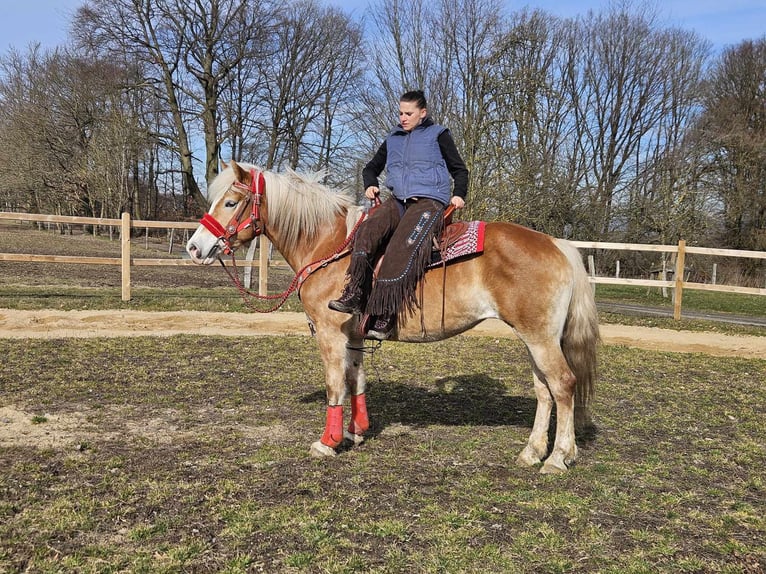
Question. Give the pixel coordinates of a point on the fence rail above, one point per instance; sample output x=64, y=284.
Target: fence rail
x=125, y=224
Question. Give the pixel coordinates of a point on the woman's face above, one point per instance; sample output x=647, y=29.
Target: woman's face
x=410, y=115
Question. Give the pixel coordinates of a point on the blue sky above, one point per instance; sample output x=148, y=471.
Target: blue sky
x=723, y=23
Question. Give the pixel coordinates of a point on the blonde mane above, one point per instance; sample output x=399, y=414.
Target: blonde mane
x=298, y=205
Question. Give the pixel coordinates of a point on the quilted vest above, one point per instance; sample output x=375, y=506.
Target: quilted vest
x=415, y=166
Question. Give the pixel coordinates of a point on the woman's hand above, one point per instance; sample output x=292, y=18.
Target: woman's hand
x=457, y=201
x=372, y=192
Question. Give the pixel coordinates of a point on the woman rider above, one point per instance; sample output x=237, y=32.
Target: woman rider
x=419, y=157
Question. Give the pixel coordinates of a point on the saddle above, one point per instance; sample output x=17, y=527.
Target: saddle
x=458, y=239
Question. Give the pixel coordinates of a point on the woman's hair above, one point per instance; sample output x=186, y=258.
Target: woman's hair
x=416, y=96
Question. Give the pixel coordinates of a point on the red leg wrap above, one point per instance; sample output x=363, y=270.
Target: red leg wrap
x=333, y=429
x=360, y=422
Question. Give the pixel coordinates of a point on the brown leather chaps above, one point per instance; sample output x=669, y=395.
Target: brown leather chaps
x=405, y=230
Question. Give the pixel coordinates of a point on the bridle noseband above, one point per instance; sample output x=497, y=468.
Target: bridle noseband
x=253, y=195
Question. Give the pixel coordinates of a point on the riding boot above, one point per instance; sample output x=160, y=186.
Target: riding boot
x=382, y=327
x=352, y=300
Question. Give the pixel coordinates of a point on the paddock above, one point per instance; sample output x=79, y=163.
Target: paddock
x=125, y=454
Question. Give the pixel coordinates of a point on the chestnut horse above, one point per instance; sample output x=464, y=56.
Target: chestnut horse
x=531, y=281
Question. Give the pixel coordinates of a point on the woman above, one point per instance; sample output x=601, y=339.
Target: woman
x=419, y=157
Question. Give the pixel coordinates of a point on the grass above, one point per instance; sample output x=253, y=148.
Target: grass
x=217, y=299
x=196, y=461
x=733, y=304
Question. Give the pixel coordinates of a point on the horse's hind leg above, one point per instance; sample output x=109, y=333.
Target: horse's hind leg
x=553, y=380
x=537, y=446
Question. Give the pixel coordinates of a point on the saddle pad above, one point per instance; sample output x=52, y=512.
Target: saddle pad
x=469, y=242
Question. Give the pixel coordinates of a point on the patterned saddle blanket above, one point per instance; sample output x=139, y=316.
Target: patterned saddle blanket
x=458, y=240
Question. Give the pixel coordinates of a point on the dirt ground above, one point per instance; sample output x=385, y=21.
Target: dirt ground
x=52, y=324
x=61, y=324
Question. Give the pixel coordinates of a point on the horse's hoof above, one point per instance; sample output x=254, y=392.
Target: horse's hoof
x=321, y=450
x=527, y=458
x=356, y=439
x=553, y=467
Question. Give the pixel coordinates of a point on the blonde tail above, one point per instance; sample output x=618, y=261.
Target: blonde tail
x=579, y=342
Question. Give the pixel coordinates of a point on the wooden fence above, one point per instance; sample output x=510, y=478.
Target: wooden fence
x=125, y=224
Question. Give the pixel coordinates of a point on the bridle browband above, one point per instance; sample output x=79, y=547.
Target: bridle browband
x=253, y=195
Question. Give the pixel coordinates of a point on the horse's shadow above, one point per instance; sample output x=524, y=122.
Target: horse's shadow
x=466, y=400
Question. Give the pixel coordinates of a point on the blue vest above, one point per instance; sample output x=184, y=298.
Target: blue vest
x=415, y=166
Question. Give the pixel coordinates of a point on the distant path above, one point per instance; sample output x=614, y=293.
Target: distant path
x=53, y=324
x=643, y=310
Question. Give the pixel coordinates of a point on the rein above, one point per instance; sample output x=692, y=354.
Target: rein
x=255, y=193
x=297, y=281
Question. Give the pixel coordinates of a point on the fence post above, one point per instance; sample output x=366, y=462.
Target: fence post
x=125, y=253
x=678, y=292
x=247, y=277
x=592, y=271
x=263, y=262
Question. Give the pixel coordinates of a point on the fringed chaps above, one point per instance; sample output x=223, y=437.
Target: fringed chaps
x=406, y=258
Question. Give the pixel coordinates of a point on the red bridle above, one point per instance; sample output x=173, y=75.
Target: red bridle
x=253, y=194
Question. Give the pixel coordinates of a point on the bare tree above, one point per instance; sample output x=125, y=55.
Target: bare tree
x=58, y=108
x=734, y=127
x=619, y=93
x=188, y=48
x=530, y=126
x=667, y=199
x=461, y=90
x=23, y=152
x=305, y=86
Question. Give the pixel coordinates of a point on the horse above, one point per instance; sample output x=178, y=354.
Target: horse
x=533, y=282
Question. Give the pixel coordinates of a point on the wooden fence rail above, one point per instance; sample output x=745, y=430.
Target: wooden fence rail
x=125, y=261
x=125, y=224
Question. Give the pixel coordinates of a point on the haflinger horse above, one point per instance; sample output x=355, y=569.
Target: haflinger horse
x=534, y=283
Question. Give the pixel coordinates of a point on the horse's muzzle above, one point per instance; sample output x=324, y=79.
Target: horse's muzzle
x=196, y=254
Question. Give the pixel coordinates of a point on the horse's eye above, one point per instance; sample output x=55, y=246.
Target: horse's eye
x=230, y=203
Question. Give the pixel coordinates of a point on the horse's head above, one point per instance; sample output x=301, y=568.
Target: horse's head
x=234, y=217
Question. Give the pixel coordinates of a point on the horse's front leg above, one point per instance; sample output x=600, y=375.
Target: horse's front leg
x=343, y=373
x=356, y=384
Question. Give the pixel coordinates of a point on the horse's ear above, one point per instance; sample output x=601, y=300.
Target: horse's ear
x=239, y=173
x=224, y=165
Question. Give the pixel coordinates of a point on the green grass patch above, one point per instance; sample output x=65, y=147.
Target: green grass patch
x=67, y=298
